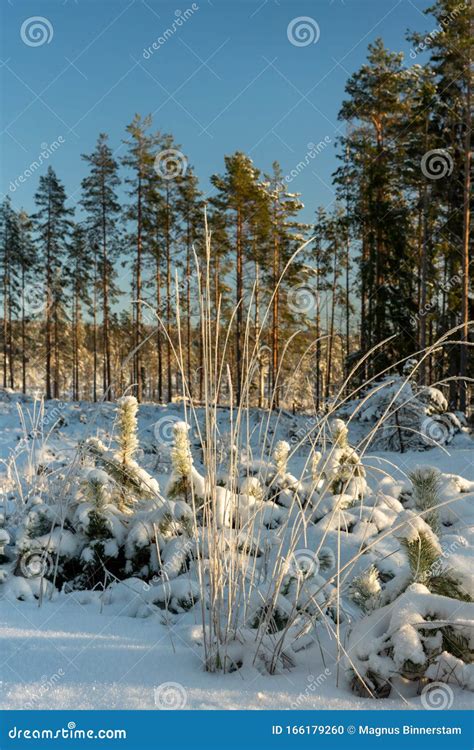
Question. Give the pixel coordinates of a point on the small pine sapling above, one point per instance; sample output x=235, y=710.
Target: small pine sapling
x=180, y=486
x=99, y=520
x=280, y=457
x=339, y=433
x=132, y=483
x=426, y=495
x=365, y=590
x=127, y=429
x=425, y=558
x=342, y=465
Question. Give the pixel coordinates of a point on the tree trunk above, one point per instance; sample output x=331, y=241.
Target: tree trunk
x=5, y=306
x=239, y=312
x=159, y=347
x=318, y=332
x=364, y=344
x=11, y=352
x=188, y=308
x=423, y=284
x=331, y=327
x=465, y=249
x=49, y=301
x=138, y=294
x=261, y=361
x=348, y=337
x=105, y=305
x=275, y=319
x=94, y=332
x=168, y=297
x=23, y=333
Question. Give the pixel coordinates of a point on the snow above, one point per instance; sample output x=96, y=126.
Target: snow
x=112, y=649
x=111, y=661
x=410, y=526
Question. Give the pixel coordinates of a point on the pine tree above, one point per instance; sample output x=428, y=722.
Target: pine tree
x=284, y=235
x=80, y=279
x=374, y=152
x=451, y=61
x=101, y=204
x=419, y=137
x=27, y=269
x=139, y=161
x=191, y=218
x=169, y=228
x=52, y=224
x=237, y=191
x=9, y=233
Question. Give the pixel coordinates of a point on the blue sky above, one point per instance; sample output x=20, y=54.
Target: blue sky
x=227, y=79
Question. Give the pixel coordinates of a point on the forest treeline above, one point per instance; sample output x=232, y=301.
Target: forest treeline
x=388, y=261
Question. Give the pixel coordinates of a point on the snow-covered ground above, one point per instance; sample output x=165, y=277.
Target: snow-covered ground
x=66, y=656
x=84, y=650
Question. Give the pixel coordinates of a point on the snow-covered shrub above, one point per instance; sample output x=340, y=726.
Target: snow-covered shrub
x=339, y=433
x=160, y=541
x=74, y=542
x=132, y=483
x=100, y=530
x=426, y=620
x=4, y=541
x=419, y=637
x=406, y=416
x=424, y=554
x=45, y=545
x=73, y=535
x=339, y=470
